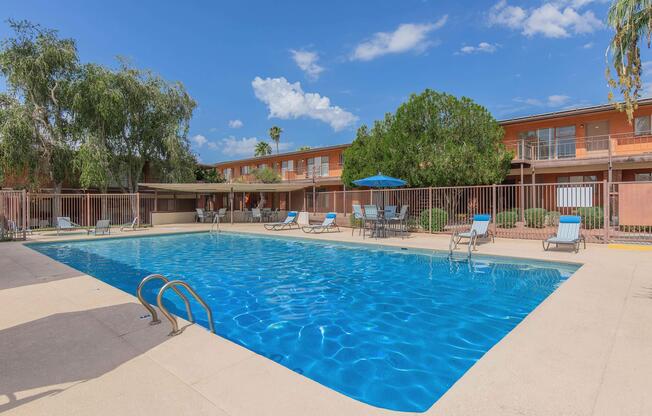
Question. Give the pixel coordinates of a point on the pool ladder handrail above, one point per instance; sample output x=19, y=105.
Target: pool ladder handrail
x=152, y=311
x=471, y=247
x=172, y=318
x=159, y=301
x=215, y=226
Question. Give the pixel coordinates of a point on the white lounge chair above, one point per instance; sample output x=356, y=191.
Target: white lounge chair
x=132, y=226
x=328, y=225
x=479, y=229
x=64, y=224
x=101, y=227
x=289, y=223
x=568, y=233
x=201, y=215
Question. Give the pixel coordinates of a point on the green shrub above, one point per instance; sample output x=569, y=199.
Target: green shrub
x=354, y=222
x=535, y=217
x=552, y=217
x=439, y=219
x=592, y=217
x=507, y=219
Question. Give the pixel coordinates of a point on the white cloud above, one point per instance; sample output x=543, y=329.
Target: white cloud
x=307, y=61
x=555, y=100
x=558, y=19
x=199, y=140
x=588, y=45
x=235, y=124
x=407, y=37
x=482, y=47
x=230, y=146
x=288, y=101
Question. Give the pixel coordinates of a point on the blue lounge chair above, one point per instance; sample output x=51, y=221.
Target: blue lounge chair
x=479, y=229
x=328, y=225
x=568, y=233
x=289, y=223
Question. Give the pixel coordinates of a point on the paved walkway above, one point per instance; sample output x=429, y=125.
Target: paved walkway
x=73, y=345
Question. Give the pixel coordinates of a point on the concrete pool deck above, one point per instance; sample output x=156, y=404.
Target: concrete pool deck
x=73, y=345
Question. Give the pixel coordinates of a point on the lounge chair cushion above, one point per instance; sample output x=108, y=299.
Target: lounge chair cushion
x=482, y=217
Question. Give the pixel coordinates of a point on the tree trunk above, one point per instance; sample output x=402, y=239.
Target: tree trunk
x=56, y=203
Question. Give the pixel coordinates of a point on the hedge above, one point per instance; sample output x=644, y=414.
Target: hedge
x=507, y=219
x=592, y=217
x=535, y=217
x=439, y=219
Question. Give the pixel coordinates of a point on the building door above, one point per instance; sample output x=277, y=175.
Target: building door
x=597, y=136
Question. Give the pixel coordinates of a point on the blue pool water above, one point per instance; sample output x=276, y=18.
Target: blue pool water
x=389, y=327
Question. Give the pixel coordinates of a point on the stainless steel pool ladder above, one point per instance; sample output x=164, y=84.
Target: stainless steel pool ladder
x=215, y=226
x=452, y=245
x=159, y=301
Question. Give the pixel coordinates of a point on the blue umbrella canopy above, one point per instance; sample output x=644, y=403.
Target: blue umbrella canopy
x=380, y=181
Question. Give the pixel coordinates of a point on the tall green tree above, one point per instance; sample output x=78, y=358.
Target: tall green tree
x=262, y=149
x=132, y=119
x=434, y=139
x=37, y=132
x=631, y=21
x=275, y=135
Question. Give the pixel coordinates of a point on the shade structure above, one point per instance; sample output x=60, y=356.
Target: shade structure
x=380, y=181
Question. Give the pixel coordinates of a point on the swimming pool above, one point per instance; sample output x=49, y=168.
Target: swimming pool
x=389, y=327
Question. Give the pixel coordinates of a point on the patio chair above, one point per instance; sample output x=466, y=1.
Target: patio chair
x=201, y=215
x=328, y=225
x=399, y=222
x=479, y=229
x=371, y=217
x=101, y=227
x=256, y=215
x=64, y=224
x=358, y=219
x=568, y=233
x=132, y=226
x=389, y=211
x=15, y=230
x=221, y=213
x=289, y=223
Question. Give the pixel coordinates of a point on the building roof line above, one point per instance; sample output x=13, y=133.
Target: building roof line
x=293, y=153
x=567, y=113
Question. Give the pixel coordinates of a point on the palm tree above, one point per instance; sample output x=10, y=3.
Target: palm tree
x=262, y=149
x=275, y=135
x=631, y=21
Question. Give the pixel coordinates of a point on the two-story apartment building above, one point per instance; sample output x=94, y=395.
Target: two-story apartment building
x=586, y=144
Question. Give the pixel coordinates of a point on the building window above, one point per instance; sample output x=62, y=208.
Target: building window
x=642, y=126
x=245, y=170
x=287, y=166
x=565, y=141
x=643, y=177
x=341, y=159
x=577, y=179
x=262, y=165
x=324, y=166
x=228, y=173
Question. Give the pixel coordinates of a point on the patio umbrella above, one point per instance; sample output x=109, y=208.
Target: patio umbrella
x=380, y=181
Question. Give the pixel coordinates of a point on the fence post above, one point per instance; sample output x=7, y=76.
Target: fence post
x=430, y=210
x=138, y=206
x=344, y=199
x=493, y=205
x=25, y=207
x=88, y=209
x=606, y=208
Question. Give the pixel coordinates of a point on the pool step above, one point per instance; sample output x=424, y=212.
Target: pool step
x=159, y=300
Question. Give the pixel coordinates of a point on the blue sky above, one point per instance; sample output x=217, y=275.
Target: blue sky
x=321, y=69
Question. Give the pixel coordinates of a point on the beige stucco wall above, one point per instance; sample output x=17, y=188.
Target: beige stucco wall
x=160, y=218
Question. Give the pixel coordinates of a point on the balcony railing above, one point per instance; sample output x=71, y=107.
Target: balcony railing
x=296, y=174
x=588, y=147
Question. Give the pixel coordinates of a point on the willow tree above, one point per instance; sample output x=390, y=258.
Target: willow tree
x=132, y=120
x=37, y=128
x=434, y=139
x=631, y=21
